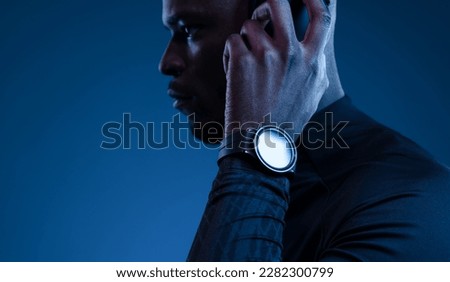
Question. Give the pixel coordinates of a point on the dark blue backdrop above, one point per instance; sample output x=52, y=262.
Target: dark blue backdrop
x=67, y=67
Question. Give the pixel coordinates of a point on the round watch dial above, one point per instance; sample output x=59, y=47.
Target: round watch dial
x=275, y=149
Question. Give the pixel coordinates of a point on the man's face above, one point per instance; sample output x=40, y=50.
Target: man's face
x=193, y=57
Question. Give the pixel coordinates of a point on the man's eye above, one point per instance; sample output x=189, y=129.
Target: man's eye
x=189, y=31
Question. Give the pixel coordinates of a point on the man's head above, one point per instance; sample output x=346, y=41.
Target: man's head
x=194, y=56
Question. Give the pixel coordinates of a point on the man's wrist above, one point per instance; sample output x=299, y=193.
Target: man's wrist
x=270, y=148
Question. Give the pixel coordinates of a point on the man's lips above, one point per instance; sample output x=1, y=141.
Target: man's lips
x=182, y=102
x=177, y=95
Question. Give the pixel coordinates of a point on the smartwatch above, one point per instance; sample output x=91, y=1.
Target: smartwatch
x=270, y=146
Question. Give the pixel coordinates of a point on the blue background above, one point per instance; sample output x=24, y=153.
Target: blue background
x=67, y=67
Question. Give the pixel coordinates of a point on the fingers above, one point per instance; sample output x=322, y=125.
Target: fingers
x=252, y=39
x=234, y=48
x=257, y=39
x=319, y=27
x=279, y=13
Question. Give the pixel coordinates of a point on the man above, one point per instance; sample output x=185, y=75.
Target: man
x=352, y=190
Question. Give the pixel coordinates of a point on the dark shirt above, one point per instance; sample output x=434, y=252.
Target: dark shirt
x=361, y=192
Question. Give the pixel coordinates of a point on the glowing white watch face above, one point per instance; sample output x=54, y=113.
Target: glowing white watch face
x=274, y=149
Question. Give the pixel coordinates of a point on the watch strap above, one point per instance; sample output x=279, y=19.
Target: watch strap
x=242, y=143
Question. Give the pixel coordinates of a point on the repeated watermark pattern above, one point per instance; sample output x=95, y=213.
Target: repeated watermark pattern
x=128, y=134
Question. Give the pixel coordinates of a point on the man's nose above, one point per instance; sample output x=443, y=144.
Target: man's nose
x=172, y=62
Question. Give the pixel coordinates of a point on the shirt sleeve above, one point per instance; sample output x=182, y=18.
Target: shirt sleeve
x=244, y=216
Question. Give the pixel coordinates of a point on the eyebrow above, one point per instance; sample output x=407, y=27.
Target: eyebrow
x=171, y=21
x=174, y=20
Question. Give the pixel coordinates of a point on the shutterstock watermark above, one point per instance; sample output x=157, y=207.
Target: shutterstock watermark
x=129, y=134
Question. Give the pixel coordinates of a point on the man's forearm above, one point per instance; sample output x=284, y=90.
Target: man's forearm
x=244, y=217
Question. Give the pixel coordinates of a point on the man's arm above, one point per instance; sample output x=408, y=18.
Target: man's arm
x=272, y=76
x=244, y=217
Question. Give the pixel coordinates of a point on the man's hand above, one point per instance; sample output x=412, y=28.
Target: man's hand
x=276, y=74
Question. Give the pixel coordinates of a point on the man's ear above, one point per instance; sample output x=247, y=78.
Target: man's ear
x=301, y=18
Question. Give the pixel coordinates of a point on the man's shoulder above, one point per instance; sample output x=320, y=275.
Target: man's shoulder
x=383, y=155
x=381, y=196
x=373, y=155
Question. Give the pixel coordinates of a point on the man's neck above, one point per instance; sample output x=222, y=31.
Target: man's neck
x=335, y=90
